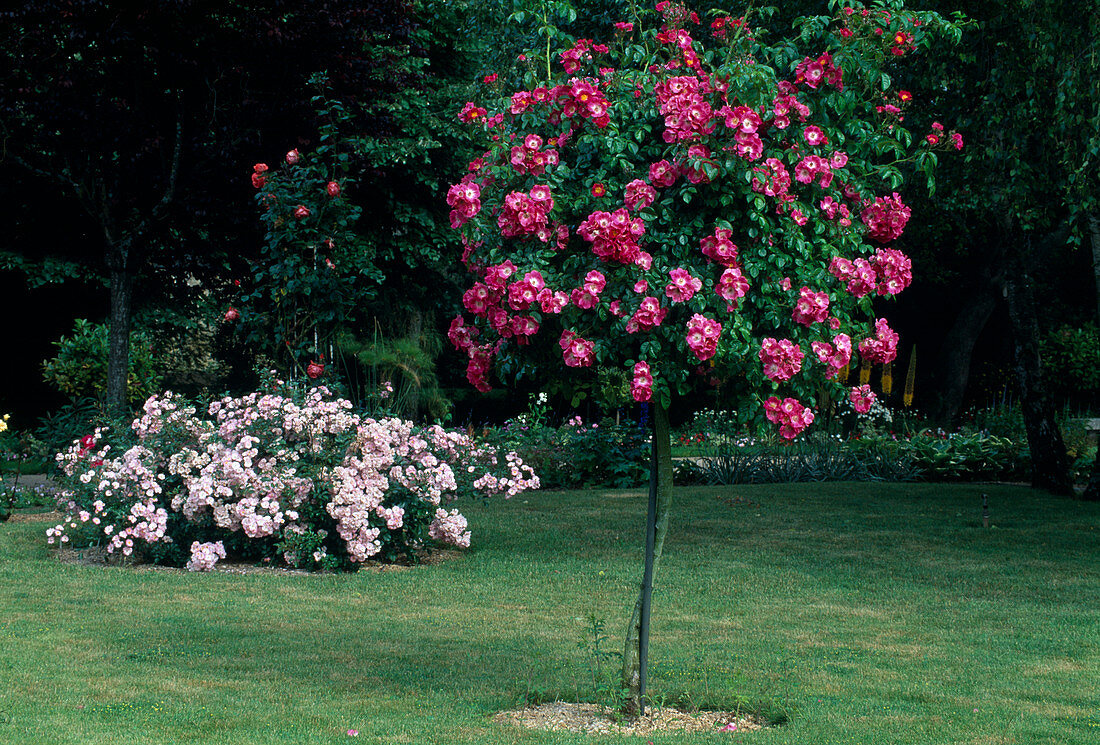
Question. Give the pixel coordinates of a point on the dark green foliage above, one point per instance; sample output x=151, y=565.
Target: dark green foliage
x=59, y=428
x=80, y=368
x=927, y=456
x=576, y=455
x=1072, y=356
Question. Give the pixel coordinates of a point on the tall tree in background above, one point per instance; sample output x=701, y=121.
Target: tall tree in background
x=1023, y=88
x=142, y=114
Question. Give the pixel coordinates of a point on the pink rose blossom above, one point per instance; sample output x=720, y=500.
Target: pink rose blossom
x=641, y=388
x=883, y=346
x=862, y=397
x=791, y=416
x=682, y=286
x=781, y=358
x=812, y=307
x=702, y=336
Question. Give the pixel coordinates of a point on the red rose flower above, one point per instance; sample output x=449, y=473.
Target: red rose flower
x=258, y=181
x=260, y=168
x=293, y=157
x=301, y=212
x=333, y=189
x=315, y=370
x=232, y=315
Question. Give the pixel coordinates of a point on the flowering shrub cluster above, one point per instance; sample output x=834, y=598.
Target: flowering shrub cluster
x=284, y=475
x=689, y=209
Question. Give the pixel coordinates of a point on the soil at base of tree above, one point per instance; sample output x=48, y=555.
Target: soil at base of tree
x=561, y=716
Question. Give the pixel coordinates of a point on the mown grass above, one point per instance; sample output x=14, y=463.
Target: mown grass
x=861, y=613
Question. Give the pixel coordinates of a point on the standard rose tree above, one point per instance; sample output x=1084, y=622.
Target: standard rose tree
x=689, y=204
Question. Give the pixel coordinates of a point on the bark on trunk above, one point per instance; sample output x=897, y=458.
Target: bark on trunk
x=1092, y=491
x=1049, y=462
x=118, y=338
x=631, y=673
x=1094, y=235
x=958, y=350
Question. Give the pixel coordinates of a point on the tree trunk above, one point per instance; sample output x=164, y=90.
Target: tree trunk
x=118, y=339
x=1092, y=491
x=631, y=673
x=958, y=349
x=1049, y=462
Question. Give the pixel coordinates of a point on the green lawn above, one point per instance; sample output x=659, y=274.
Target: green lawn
x=866, y=613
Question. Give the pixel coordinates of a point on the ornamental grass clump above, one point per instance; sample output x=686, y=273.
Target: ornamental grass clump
x=283, y=476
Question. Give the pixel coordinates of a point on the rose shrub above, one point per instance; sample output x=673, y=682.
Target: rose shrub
x=285, y=475
x=315, y=269
x=694, y=210
x=694, y=205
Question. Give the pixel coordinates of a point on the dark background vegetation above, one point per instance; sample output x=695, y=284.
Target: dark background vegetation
x=97, y=187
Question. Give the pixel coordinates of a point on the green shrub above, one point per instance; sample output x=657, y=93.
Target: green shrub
x=1072, y=358
x=822, y=458
x=968, y=456
x=927, y=456
x=80, y=368
x=577, y=454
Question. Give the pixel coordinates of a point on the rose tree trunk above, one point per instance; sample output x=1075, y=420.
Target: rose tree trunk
x=632, y=673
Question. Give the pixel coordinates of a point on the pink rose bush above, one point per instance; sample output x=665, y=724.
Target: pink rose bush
x=289, y=475
x=738, y=220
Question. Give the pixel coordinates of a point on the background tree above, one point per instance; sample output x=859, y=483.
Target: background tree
x=1022, y=85
x=141, y=116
